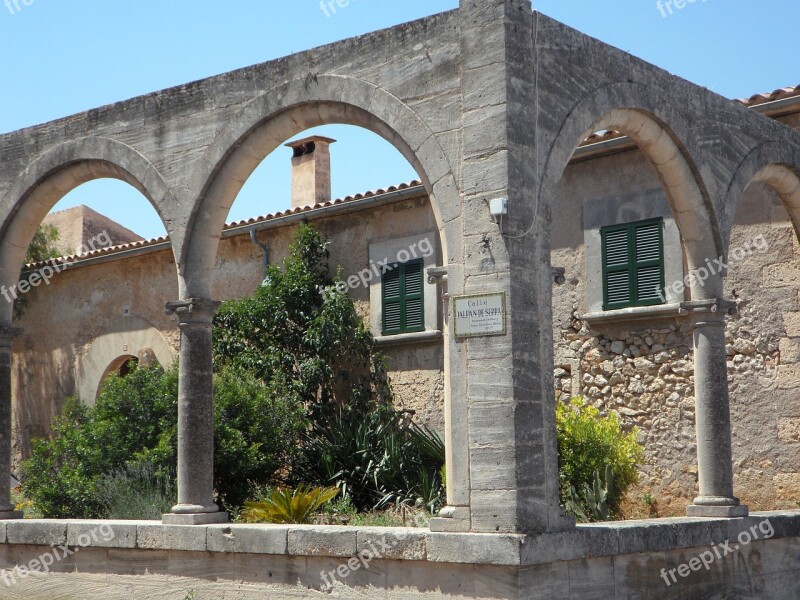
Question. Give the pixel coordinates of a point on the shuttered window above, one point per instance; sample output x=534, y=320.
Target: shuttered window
x=633, y=264
x=402, y=298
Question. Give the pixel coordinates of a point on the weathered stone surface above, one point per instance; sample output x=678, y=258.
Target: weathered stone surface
x=788, y=376
x=38, y=532
x=103, y=534
x=252, y=539
x=789, y=429
x=475, y=548
x=171, y=537
x=790, y=350
x=782, y=274
x=792, y=322
x=312, y=540
x=786, y=486
x=389, y=543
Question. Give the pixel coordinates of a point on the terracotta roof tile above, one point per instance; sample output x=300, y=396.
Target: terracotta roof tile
x=754, y=100
x=251, y=221
x=779, y=94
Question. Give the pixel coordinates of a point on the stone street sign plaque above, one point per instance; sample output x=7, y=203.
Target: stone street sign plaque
x=482, y=314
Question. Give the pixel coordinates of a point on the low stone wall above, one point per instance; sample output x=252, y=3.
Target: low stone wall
x=755, y=557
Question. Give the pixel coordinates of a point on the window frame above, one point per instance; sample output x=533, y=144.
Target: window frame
x=632, y=266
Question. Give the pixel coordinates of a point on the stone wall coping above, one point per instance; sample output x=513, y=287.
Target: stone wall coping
x=666, y=311
x=405, y=543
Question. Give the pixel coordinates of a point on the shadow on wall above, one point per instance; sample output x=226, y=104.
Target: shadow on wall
x=41, y=382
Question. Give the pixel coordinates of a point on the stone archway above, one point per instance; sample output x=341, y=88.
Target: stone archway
x=632, y=110
x=778, y=166
x=40, y=185
x=264, y=124
x=277, y=115
x=762, y=272
x=57, y=172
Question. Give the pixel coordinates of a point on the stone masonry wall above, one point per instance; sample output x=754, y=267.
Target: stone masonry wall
x=643, y=370
x=763, y=357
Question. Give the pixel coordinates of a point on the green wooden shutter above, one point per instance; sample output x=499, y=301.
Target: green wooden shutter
x=392, y=300
x=649, y=273
x=403, y=302
x=633, y=264
x=414, y=317
x=616, y=270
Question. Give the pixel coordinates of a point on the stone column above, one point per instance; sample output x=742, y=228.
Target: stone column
x=6, y=507
x=712, y=418
x=195, y=416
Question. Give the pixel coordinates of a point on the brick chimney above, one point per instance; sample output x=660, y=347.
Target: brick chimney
x=311, y=171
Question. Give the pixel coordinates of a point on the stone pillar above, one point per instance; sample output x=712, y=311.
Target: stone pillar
x=195, y=416
x=712, y=419
x=6, y=507
x=503, y=392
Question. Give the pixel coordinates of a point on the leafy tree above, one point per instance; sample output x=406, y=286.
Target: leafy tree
x=300, y=337
x=255, y=435
x=306, y=342
x=134, y=419
x=43, y=245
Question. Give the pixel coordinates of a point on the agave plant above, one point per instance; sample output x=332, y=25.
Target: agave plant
x=592, y=505
x=285, y=505
x=377, y=459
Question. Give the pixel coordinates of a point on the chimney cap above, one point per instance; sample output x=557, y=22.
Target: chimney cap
x=307, y=145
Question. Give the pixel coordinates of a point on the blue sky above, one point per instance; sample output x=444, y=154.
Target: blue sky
x=65, y=57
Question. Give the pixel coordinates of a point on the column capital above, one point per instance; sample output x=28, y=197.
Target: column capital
x=710, y=312
x=192, y=310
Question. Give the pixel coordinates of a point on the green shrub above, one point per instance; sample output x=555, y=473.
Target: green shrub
x=301, y=395
x=256, y=435
x=594, y=498
x=301, y=338
x=137, y=492
x=588, y=444
x=307, y=344
x=134, y=422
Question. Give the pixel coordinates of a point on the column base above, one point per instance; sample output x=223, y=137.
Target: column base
x=451, y=519
x=209, y=518
x=715, y=507
x=10, y=514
